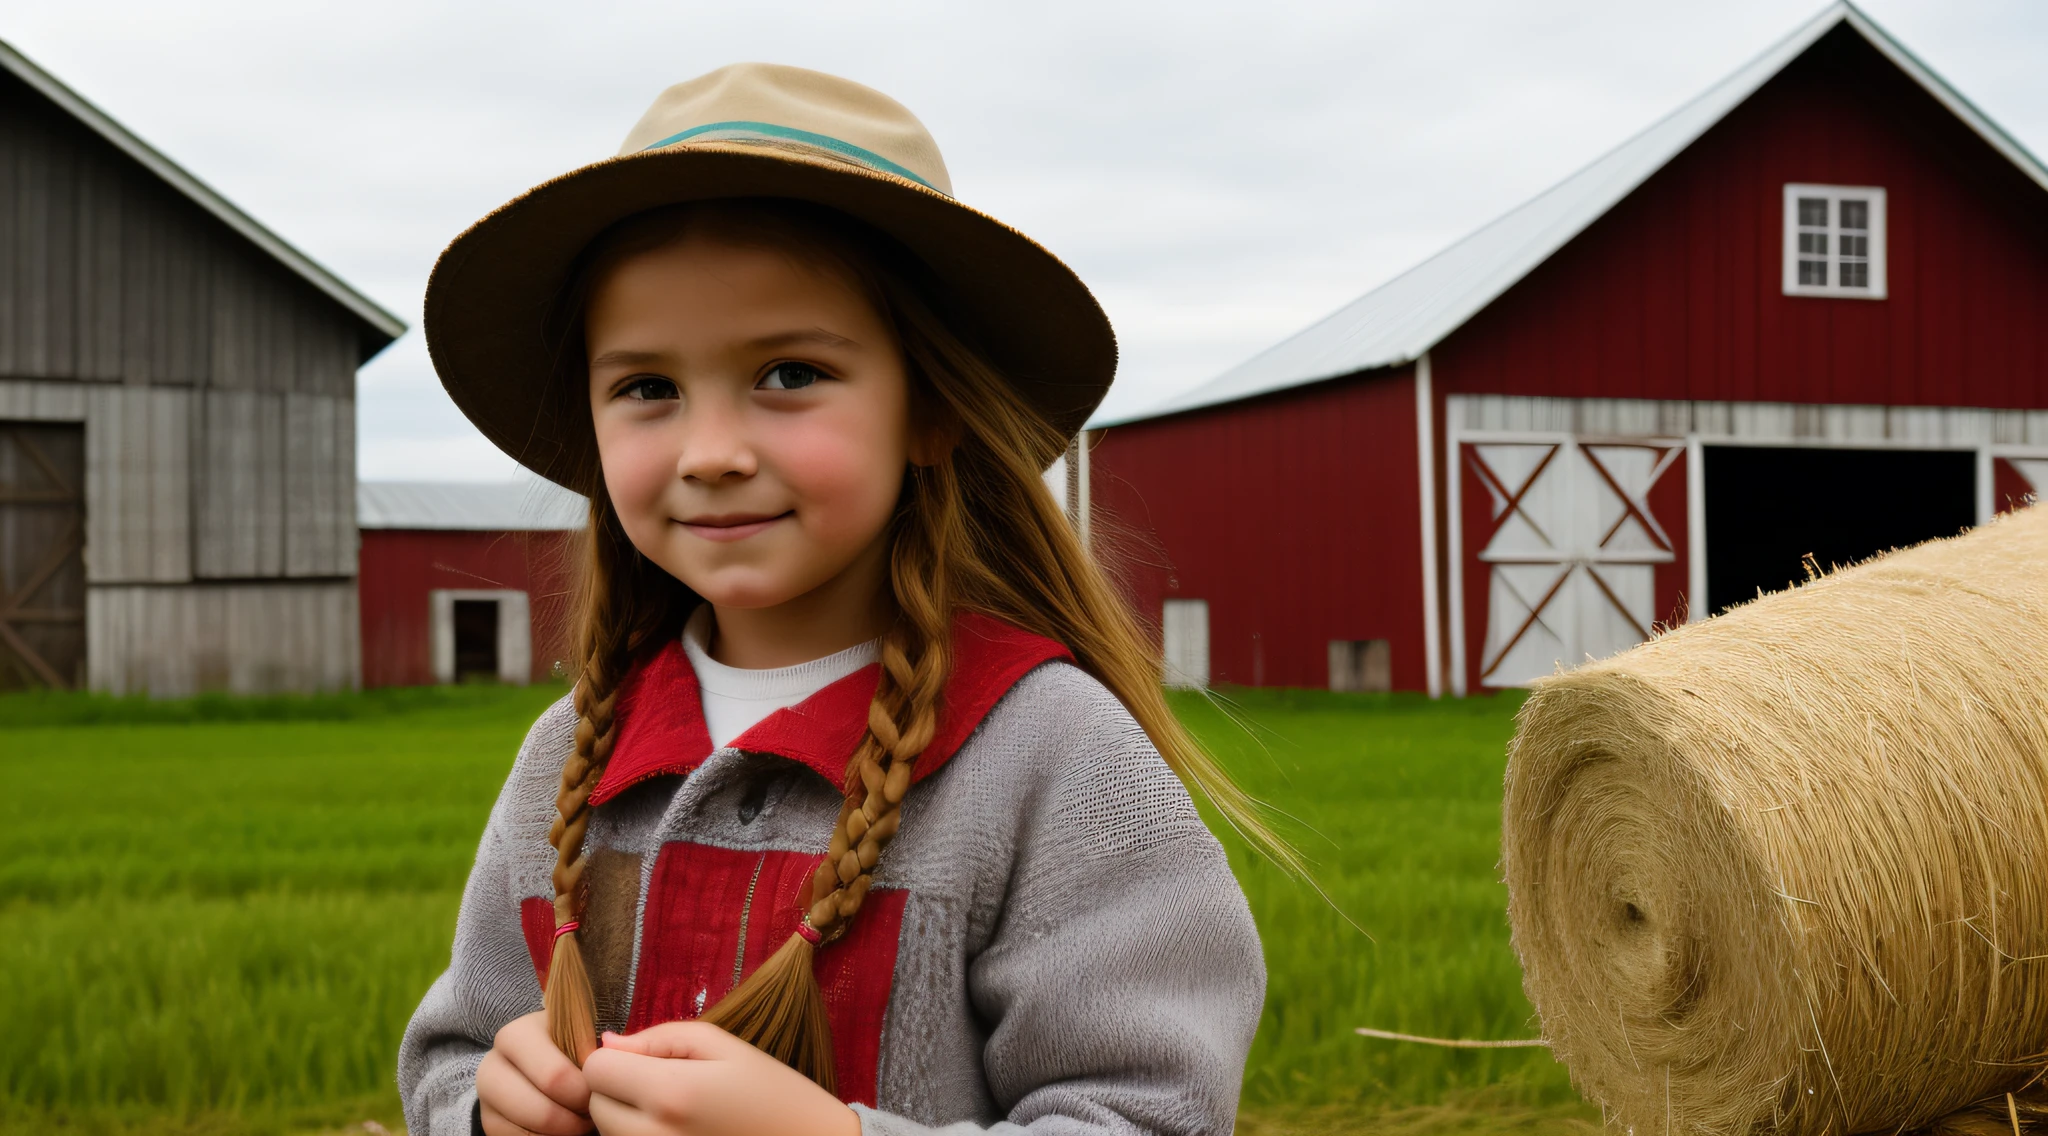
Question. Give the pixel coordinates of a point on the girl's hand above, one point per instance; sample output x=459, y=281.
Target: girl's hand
x=694, y=1079
x=525, y=1085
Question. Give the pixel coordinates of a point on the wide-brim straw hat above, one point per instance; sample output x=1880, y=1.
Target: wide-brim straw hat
x=753, y=130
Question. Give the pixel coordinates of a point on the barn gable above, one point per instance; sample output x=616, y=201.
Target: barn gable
x=1399, y=321
x=201, y=374
x=73, y=186
x=1705, y=316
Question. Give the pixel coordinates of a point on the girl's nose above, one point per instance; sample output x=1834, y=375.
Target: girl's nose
x=715, y=444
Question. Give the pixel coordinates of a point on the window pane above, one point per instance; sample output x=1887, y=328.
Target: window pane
x=1813, y=211
x=1855, y=274
x=1855, y=214
x=1855, y=245
x=1813, y=244
x=1813, y=272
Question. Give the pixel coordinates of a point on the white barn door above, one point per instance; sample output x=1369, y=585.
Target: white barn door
x=2032, y=471
x=1571, y=562
x=1185, y=628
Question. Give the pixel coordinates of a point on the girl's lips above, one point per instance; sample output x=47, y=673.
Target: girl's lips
x=730, y=527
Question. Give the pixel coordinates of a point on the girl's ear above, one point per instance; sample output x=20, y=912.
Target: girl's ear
x=935, y=431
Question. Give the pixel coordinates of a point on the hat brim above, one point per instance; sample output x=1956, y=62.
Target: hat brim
x=492, y=289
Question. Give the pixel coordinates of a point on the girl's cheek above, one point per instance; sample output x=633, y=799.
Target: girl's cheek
x=849, y=482
x=636, y=470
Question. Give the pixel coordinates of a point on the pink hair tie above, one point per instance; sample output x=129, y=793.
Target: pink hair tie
x=565, y=928
x=811, y=934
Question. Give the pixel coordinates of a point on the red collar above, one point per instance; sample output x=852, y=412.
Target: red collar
x=661, y=718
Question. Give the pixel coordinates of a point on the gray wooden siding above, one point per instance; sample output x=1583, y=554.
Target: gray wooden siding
x=276, y=486
x=239, y=506
x=138, y=484
x=108, y=274
x=248, y=638
x=42, y=402
x=319, y=486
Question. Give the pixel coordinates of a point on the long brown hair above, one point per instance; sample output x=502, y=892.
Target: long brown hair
x=978, y=531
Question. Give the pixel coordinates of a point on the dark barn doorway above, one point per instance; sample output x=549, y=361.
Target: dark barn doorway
x=476, y=640
x=1769, y=507
x=42, y=555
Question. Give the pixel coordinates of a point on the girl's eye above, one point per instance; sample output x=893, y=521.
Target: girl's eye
x=648, y=388
x=789, y=376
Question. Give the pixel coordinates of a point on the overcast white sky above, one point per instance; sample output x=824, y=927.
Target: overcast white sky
x=1220, y=174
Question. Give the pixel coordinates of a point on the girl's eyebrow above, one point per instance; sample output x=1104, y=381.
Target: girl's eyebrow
x=627, y=358
x=813, y=336
x=804, y=337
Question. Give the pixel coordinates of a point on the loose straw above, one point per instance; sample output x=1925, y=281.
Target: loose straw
x=1453, y=1042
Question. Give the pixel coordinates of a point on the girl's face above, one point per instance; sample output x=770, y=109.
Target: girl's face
x=752, y=416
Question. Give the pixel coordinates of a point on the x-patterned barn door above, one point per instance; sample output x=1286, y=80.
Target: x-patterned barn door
x=1572, y=550
x=2015, y=480
x=42, y=555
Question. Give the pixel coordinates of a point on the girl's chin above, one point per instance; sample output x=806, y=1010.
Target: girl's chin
x=747, y=595
x=757, y=582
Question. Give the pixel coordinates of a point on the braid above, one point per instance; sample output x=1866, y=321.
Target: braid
x=916, y=658
x=623, y=606
x=779, y=1008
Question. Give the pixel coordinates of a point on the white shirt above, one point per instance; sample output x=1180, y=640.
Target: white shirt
x=735, y=698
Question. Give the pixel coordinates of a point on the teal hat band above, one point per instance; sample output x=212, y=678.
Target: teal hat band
x=769, y=132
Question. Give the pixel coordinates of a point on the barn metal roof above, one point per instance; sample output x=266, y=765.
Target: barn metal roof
x=1403, y=318
x=74, y=104
x=529, y=505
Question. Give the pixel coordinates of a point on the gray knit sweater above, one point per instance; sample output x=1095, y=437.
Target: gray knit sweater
x=1054, y=942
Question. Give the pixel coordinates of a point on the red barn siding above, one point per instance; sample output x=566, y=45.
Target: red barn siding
x=1676, y=292
x=399, y=567
x=1297, y=517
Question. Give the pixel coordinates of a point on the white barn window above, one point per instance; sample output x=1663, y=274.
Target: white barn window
x=1834, y=241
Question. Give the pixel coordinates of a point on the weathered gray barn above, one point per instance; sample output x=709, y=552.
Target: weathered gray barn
x=177, y=422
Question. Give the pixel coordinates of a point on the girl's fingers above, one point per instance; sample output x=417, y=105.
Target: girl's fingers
x=691, y=1040
x=544, y=1067
x=625, y=1078
x=617, y=1118
x=501, y=1088
x=495, y=1123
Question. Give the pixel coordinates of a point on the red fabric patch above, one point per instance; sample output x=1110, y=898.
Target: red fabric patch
x=692, y=939
x=661, y=724
x=537, y=923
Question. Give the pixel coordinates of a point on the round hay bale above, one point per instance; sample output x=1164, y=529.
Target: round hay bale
x=1787, y=869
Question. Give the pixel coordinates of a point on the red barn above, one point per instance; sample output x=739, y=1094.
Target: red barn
x=1803, y=315
x=463, y=581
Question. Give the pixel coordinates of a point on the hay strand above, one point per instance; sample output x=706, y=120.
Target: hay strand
x=1787, y=869
x=1453, y=1042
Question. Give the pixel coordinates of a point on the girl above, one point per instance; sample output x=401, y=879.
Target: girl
x=862, y=816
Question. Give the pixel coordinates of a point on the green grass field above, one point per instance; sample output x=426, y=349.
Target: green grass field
x=218, y=914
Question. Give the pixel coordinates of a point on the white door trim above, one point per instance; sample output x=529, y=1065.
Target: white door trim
x=1454, y=519
x=515, y=632
x=1695, y=529
x=1425, y=449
